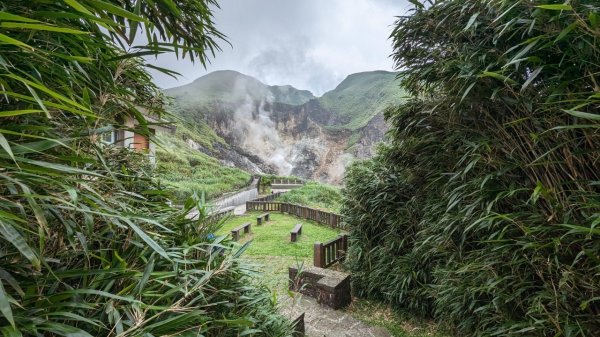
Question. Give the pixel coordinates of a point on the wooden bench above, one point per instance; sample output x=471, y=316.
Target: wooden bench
x=235, y=233
x=295, y=232
x=260, y=218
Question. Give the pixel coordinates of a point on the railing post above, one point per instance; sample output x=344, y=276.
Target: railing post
x=345, y=245
x=319, y=256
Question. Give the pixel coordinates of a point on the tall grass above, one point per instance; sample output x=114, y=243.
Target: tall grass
x=482, y=211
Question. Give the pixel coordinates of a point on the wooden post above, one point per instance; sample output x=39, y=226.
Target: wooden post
x=298, y=324
x=345, y=245
x=319, y=256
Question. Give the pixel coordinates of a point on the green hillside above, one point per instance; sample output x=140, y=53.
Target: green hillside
x=189, y=170
x=290, y=95
x=228, y=86
x=361, y=96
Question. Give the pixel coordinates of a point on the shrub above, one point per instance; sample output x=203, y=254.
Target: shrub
x=482, y=210
x=88, y=245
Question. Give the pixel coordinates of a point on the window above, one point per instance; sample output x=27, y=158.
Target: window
x=109, y=137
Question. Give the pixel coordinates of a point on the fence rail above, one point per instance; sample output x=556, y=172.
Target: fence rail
x=285, y=181
x=328, y=253
x=331, y=219
x=269, y=197
x=220, y=214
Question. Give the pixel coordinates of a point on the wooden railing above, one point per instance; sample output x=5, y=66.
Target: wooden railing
x=328, y=218
x=220, y=214
x=331, y=219
x=328, y=253
x=286, y=181
x=269, y=197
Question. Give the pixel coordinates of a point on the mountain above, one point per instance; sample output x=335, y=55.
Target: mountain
x=362, y=96
x=284, y=130
x=233, y=87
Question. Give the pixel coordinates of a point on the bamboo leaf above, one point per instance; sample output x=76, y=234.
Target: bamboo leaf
x=471, y=21
x=142, y=234
x=5, y=308
x=566, y=31
x=594, y=20
x=12, y=113
x=115, y=10
x=531, y=78
x=4, y=144
x=556, y=7
x=582, y=114
x=4, y=16
x=9, y=40
x=497, y=76
x=15, y=238
x=79, y=7
x=41, y=27
x=9, y=331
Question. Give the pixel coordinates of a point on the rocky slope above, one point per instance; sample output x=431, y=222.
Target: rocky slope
x=283, y=130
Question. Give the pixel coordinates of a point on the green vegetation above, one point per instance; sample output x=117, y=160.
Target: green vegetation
x=316, y=195
x=396, y=323
x=191, y=171
x=361, y=96
x=271, y=247
x=228, y=86
x=88, y=244
x=273, y=239
x=271, y=253
x=217, y=95
x=482, y=212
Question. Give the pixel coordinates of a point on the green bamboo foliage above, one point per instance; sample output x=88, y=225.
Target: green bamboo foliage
x=88, y=245
x=483, y=209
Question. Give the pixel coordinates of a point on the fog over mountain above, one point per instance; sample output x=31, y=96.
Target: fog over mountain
x=285, y=130
x=309, y=44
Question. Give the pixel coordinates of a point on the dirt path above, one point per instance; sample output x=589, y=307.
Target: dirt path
x=320, y=321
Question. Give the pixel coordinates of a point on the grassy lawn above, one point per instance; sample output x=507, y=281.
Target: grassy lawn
x=271, y=248
x=271, y=253
x=273, y=238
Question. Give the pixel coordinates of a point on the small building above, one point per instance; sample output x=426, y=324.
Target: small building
x=132, y=140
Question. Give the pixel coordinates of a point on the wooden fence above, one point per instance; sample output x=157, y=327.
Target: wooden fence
x=331, y=219
x=328, y=253
x=269, y=197
x=286, y=181
x=220, y=214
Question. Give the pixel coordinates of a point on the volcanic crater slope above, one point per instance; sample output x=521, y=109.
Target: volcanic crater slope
x=284, y=130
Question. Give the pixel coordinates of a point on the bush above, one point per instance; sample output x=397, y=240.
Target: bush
x=315, y=195
x=88, y=245
x=482, y=211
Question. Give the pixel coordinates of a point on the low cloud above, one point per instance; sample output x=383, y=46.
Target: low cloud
x=310, y=44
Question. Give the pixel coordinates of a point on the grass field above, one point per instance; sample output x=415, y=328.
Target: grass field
x=271, y=247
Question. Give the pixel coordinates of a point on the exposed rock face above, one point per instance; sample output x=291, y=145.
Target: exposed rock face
x=280, y=138
x=371, y=134
x=283, y=130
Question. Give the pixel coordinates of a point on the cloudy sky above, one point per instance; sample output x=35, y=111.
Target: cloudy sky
x=310, y=44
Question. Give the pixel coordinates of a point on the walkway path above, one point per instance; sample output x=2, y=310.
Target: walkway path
x=320, y=321
x=233, y=199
